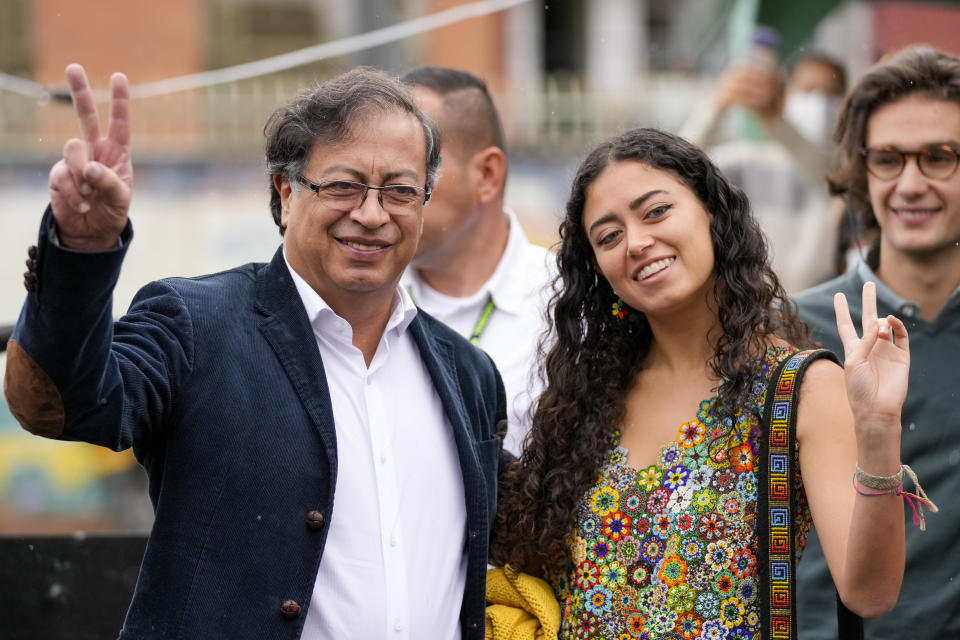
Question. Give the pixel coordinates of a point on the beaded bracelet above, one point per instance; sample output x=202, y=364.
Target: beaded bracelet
x=886, y=485
x=871, y=481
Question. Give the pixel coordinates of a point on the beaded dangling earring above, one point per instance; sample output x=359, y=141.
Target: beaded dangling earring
x=620, y=309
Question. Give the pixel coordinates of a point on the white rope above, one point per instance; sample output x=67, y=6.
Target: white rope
x=350, y=44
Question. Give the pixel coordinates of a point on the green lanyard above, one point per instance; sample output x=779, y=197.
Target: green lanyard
x=482, y=321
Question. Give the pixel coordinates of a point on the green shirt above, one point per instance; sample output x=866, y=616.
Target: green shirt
x=929, y=603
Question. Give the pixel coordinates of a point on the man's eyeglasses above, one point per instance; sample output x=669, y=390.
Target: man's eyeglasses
x=346, y=195
x=937, y=161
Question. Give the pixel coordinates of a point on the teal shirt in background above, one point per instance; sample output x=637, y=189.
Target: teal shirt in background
x=929, y=603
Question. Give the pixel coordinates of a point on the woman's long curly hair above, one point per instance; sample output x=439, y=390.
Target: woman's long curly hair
x=590, y=356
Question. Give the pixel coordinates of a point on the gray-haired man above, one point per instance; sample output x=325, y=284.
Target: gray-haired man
x=322, y=457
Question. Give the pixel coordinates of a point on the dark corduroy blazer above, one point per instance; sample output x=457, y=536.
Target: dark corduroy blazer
x=217, y=385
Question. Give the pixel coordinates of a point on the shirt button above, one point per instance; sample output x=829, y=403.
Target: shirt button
x=339, y=326
x=393, y=541
x=383, y=458
x=397, y=626
x=369, y=381
x=908, y=311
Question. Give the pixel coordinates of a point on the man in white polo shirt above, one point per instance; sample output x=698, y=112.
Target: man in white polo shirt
x=475, y=269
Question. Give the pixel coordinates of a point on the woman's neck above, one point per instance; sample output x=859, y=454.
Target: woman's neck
x=682, y=344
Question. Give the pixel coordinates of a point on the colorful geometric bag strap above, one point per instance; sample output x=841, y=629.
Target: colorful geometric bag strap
x=777, y=502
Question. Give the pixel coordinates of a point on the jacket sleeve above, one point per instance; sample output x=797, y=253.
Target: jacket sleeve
x=72, y=373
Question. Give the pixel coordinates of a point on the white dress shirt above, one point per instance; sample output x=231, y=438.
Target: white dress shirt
x=394, y=564
x=520, y=289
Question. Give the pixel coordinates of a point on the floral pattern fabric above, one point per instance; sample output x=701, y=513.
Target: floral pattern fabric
x=670, y=551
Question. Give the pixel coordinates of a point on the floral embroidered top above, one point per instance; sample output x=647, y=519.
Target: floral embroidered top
x=670, y=551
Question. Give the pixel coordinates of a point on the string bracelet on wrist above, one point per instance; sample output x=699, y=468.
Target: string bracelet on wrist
x=884, y=485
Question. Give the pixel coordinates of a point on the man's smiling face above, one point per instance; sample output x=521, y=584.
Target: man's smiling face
x=363, y=251
x=918, y=215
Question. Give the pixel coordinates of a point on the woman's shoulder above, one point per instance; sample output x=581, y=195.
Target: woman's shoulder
x=775, y=351
x=821, y=369
x=821, y=375
x=782, y=350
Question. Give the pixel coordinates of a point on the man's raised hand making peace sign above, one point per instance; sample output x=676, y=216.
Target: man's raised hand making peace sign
x=90, y=187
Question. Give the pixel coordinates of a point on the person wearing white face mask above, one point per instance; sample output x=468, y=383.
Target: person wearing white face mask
x=811, y=113
x=784, y=170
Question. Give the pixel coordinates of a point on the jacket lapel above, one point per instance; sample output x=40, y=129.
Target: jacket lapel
x=287, y=330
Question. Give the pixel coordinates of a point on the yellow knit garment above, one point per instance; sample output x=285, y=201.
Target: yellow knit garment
x=520, y=607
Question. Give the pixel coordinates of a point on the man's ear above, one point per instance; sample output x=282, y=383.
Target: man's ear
x=283, y=187
x=488, y=169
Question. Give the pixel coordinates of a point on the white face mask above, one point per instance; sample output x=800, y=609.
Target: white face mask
x=813, y=114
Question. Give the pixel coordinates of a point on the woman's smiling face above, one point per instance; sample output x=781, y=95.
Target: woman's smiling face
x=650, y=236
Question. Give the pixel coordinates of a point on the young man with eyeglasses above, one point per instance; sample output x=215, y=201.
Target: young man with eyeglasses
x=899, y=134
x=322, y=456
x=475, y=269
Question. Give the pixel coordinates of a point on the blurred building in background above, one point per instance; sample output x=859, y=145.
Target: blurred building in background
x=564, y=74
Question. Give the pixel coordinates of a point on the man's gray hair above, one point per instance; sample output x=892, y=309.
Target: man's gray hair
x=324, y=115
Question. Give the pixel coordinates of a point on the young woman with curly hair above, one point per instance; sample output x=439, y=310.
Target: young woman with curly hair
x=636, y=494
